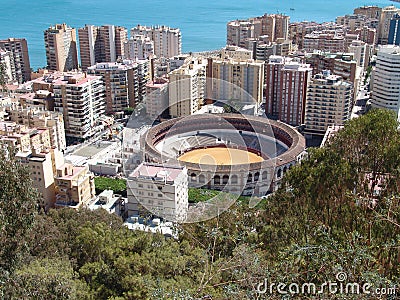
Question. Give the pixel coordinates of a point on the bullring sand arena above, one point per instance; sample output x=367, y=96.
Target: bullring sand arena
x=220, y=156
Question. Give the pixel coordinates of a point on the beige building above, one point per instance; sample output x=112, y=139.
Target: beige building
x=329, y=102
x=236, y=80
x=236, y=53
x=159, y=190
x=34, y=117
x=60, y=44
x=325, y=41
x=384, y=23
x=167, y=41
x=276, y=26
x=42, y=164
x=238, y=32
x=21, y=70
x=121, y=82
x=101, y=44
x=74, y=186
x=157, y=97
x=22, y=138
x=187, y=87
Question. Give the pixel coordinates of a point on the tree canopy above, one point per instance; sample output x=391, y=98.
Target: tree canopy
x=337, y=211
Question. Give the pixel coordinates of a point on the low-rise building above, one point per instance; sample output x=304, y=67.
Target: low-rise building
x=160, y=190
x=74, y=186
x=42, y=164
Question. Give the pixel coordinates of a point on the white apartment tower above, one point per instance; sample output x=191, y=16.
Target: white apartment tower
x=386, y=80
x=80, y=98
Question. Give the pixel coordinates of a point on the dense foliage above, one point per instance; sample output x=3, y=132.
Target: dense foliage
x=336, y=212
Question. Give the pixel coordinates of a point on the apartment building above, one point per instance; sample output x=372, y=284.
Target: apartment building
x=286, y=83
x=22, y=138
x=236, y=80
x=21, y=68
x=187, y=87
x=139, y=47
x=121, y=82
x=101, y=44
x=325, y=41
x=157, y=97
x=386, y=16
x=61, y=51
x=394, y=31
x=329, y=102
x=74, y=186
x=237, y=53
x=6, y=60
x=158, y=190
x=34, y=117
x=42, y=164
x=80, y=98
x=167, y=41
x=385, y=81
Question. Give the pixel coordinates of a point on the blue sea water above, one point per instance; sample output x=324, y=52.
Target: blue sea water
x=203, y=23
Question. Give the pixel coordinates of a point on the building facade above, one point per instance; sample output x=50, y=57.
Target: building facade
x=385, y=79
x=139, y=47
x=34, y=117
x=21, y=70
x=329, y=102
x=101, y=44
x=80, y=98
x=74, y=186
x=384, y=23
x=167, y=41
x=159, y=190
x=121, y=81
x=42, y=165
x=187, y=87
x=157, y=97
x=286, y=84
x=60, y=44
x=394, y=31
x=236, y=80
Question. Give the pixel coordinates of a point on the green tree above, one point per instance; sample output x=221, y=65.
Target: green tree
x=18, y=203
x=46, y=279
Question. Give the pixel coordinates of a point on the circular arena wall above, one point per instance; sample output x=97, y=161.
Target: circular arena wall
x=201, y=133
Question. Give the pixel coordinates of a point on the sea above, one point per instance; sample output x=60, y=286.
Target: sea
x=202, y=23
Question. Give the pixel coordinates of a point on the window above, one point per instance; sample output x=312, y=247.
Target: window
x=160, y=195
x=140, y=185
x=234, y=179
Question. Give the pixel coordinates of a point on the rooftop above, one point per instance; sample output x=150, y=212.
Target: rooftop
x=157, y=172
